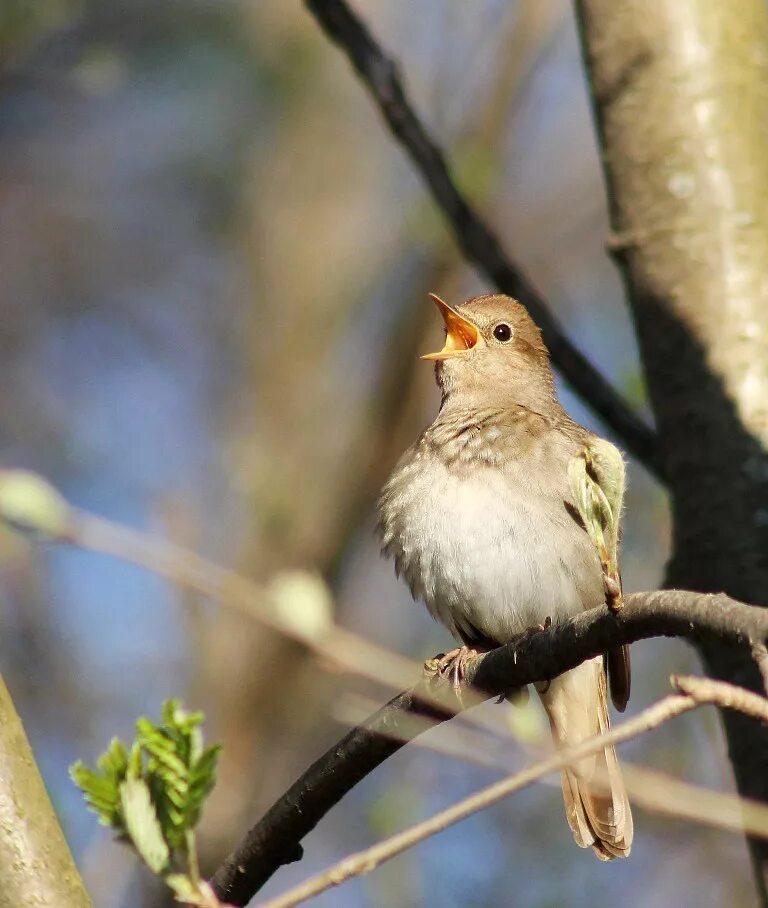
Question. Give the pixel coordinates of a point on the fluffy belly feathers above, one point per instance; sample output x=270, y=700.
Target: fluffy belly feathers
x=485, y=554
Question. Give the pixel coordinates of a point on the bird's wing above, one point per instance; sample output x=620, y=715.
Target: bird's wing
x=596, y=477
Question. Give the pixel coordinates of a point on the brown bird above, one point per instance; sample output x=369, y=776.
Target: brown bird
x=505, y=515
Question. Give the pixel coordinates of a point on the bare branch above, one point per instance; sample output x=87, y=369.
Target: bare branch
x=255, y=601
x=654, y=791
x=659, y=793
x=705, y=690
x=275, y=839
x=480, y=246
x=698, y=692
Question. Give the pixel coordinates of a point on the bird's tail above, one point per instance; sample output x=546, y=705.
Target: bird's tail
x=599, y=815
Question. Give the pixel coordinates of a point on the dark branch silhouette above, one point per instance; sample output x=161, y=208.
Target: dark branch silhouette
x=275, y=839
x=480, y=246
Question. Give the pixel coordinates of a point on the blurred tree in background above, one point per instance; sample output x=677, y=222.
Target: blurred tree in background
x=213, y=267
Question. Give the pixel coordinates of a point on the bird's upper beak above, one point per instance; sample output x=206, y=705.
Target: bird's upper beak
x=461, y=334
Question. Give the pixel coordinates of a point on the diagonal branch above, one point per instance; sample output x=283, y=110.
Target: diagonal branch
x=695, y=692
x=480, y=246
x=275, y=839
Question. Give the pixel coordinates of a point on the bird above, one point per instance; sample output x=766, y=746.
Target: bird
x=504, y=518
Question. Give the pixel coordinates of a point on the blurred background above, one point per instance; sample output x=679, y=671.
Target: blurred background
x=213, y=274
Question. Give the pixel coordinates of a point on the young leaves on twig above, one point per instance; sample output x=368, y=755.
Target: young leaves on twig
x=152, y=796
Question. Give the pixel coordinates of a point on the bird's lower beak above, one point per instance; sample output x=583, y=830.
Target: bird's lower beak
x=461, y=334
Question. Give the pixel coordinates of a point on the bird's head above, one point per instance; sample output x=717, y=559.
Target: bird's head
x=492, y=347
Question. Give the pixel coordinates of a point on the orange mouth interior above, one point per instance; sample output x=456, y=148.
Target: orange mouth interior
x=461, y=335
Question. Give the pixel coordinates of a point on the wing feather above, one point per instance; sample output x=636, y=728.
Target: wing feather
x=597, y=480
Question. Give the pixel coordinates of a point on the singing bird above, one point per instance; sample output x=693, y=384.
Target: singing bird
x=504, y=516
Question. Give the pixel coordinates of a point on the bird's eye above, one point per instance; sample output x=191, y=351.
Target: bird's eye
x=502, y=332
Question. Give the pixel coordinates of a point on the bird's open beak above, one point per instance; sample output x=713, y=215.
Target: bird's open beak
x=461, y=335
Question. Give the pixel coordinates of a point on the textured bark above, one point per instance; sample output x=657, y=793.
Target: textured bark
x=36, y=867
x=680, y=90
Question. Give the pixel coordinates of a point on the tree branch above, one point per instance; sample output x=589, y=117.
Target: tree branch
x=695, y=692
x=275, y=839
x=480, y=246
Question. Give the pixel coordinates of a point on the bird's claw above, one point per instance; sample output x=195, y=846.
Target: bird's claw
x=451, y=666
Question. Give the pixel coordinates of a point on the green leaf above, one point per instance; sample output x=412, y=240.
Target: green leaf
x=114, y=761
x=101, y=787
x=142, y=824
x=153, y=793
x=102, y=795
x=183, y=888
x=179, y=772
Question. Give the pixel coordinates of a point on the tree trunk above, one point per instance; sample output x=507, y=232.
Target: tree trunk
x=36, y=866
x=680, y=92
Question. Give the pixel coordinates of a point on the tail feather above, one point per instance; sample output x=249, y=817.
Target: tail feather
x=577, y=706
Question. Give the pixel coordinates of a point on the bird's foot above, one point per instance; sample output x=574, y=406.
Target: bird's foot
x=452, y=665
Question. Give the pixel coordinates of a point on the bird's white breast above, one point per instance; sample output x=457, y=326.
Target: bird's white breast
x=488, y=549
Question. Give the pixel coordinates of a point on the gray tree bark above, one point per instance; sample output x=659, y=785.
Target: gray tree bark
x=680, y=92
x=36, y=866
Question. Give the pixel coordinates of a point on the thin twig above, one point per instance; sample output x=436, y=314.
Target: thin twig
x=365, y=861
x=189, y=570
x=659, y=793
x=654, y=791
x=707, y=690
x=480, y=246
